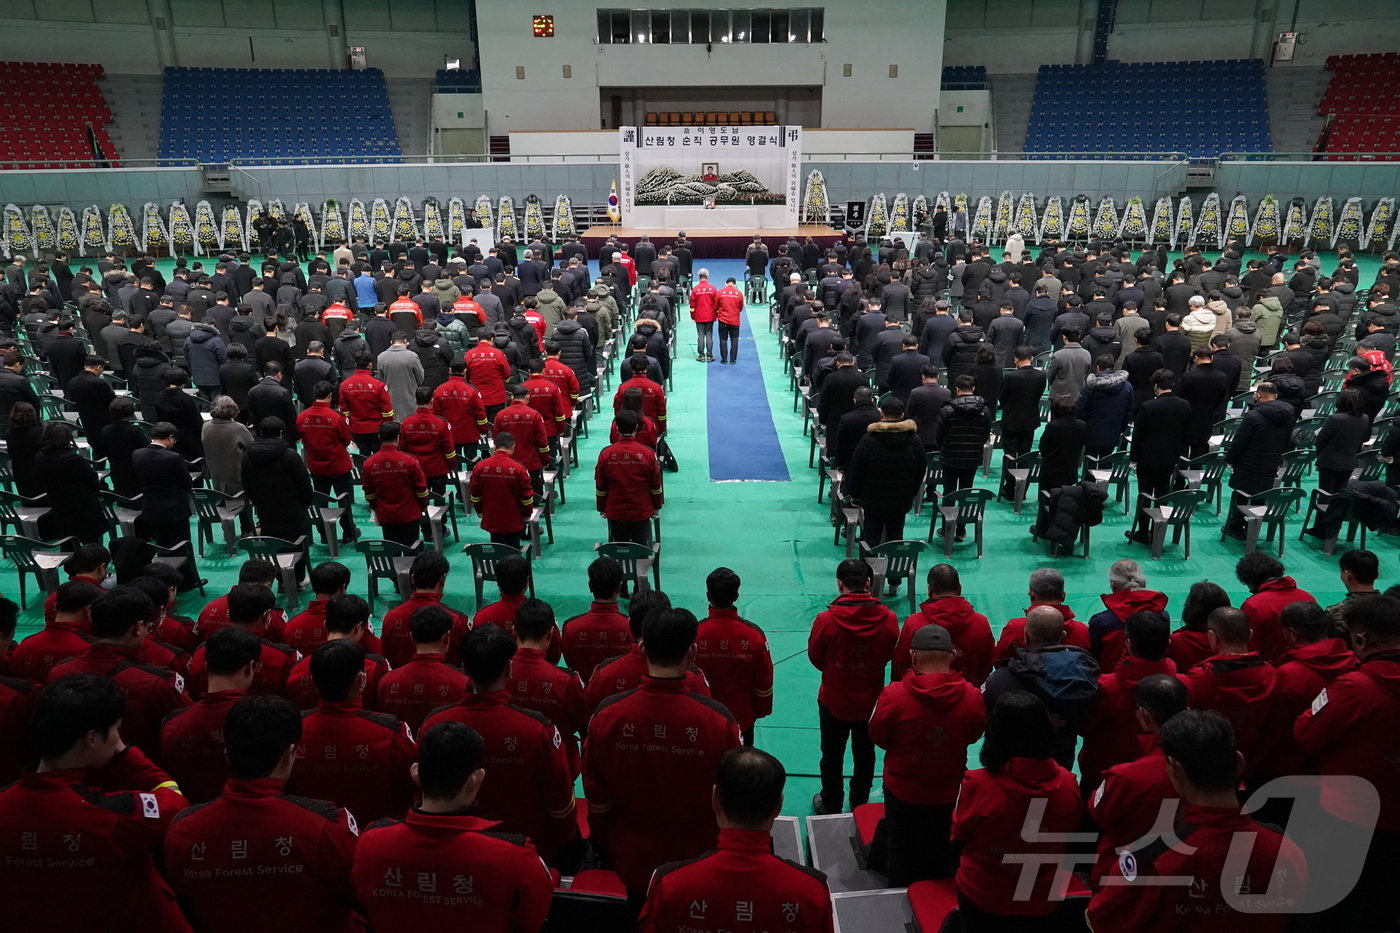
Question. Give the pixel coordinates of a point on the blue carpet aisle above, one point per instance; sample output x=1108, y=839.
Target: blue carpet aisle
x=743, y=439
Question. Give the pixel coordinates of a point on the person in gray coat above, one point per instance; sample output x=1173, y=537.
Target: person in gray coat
x=1069, y=367
x=224, y=442
x=402, y=372
x=1245, y=342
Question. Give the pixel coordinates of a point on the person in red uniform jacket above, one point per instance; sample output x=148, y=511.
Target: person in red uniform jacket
x=533, y=790
x=851, y=643
x=255, y=844
x=428, y=438
x=502, y=492
x=1191, y=643
x=464, y=307
x=395, y=488
x=1129, y=595
x=80, y=836
x=653, y=395
x=16, y=748
x=1018, y=771
x=307, y=629
x=214, y=616
x=1349, y=729
x=404, y=305
x=428, y=577
x=561, y=375
x=1272, y=590
x=531, y=434
x=704, y=309
x=659, y=735
x=603, y=631
x=1204, y=767
x=249, y=607
x=426, y=680
x=346, y=619
x=89, y=563
x=325, y=435
x=1313, y=660
x=627, y=263
x=742, y=887
x=120, y=618
x=365, y=401
x=548, y=399
x=442, y=866
x=1129, y=799
x=733, y=653
x=488, y=370
x=1240, y=685
x=924, y=721
x=192, y=740
x=729, y=307
x=1110, y=726
x=458, y=403
x=65, y=636
x=336, y=315
x=355, y=758
x=176, y=631
x=628, y=484
x=626, y=671
x=1047, y=588
x=946, y=608
x=536, y=682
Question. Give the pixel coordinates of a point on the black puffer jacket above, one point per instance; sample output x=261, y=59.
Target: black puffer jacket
x=435, y=354
x=576, y=352
x=1068, y=509
x=1264, y=435
x=886, y=468
x=277, y=483
x=152, y=374
x=925, y=281
x=963, y=426
x=960, y=350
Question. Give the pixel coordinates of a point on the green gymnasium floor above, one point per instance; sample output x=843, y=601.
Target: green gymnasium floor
x=776, y=536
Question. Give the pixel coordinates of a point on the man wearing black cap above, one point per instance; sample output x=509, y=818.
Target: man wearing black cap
x=924, y=722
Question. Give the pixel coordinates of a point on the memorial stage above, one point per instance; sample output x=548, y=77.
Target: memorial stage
x=712, y=244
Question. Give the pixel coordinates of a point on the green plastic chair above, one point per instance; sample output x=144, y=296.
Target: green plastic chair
x=637, y=560
x=898, y=560
x=388, y=560
x=485, y=555
x=40, y=558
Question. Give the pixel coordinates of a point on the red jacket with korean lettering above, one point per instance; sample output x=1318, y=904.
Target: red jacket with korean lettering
x=925, y=722
x=990, y=821
x=1243, y=689
x=502, y=613
x=1013, y=635
x=1350, y=729
x=1303, y=672
x=214, y=616
x=591, y=638
x=502, y=493
x=532, y=792
x=399, y=646
x=354, y=758
x=432, y=871
x=733, y=653
x=1128, y=803
x=972, y=636
x=531, y=435
x=276, y=663
x=704, y=302
x=307, y=629
x=1264, y=609
x=851, y=642
x=660, y=735
x=628, y=481
x=1275, y=865
x=366, y=402
x=458, y=403
x=626, y=672
x=414, y=689
x=57, y=641
x=547, y=399
x=538, y=683
x=79, y=849
x=743, y=887
x=192, y=745
x=1109, y=726
x=254, y=844
x=730, y=305
x=489, y=371
x=563, y=377
x=301, y=689
x=151, y=692
x=395, y=486
x=653, y=399
x=429, y=438
x=325, y=435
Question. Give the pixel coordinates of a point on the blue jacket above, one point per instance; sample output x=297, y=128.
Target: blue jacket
x=364, y=291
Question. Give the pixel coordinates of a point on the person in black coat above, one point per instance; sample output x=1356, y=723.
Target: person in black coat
x=1141, y=365
x=237, y=377
x=69, y=480
x=165, y=489
x=1106, y=407
x=22, y=445
x=270, y=398
x=850, y=430
x=986, y=378
x=174, y=406
x=121, y=438
x=1174, y=345
x=1208, y=391
x=1340, y=439
x=1061, y=446
x=1371, y=383
x=925, y=402
x=66, y=354
x=964, y=424
x=838, y=392
x=277, y=483
x=906, y=368
x=92, y=395
x=887, y=469
x=13, y=387
x=1022, y=388
x=1255, y=454
x=1159, y=440
x=960, y=349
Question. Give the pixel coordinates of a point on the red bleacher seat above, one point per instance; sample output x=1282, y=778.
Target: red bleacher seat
x=57, y=101
x=935, y=903
x=867, y=818
x=599, y=881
